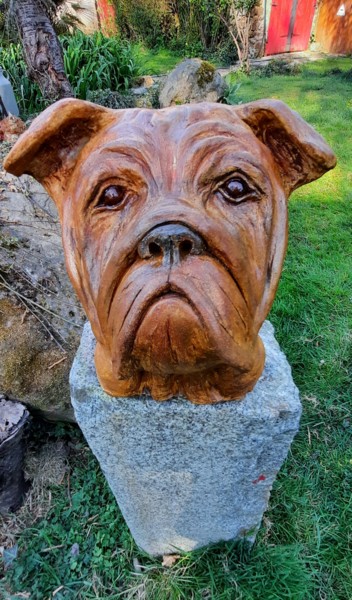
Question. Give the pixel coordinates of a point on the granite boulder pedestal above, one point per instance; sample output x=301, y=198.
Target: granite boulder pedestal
x=186, y=475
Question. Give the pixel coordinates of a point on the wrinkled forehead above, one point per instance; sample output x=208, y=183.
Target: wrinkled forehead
x=178, y=123
x=184, y=138
x=180, y=126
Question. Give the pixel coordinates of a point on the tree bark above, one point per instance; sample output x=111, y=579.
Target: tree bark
x=42, y=49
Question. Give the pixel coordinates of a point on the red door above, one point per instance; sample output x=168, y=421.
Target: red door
x=279, y=26
x=302, y=25
x=290, y=25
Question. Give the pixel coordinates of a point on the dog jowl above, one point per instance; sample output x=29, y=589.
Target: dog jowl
x=174, y=228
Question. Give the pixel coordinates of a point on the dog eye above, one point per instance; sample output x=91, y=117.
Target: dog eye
x=112, y=197
x=234, y=189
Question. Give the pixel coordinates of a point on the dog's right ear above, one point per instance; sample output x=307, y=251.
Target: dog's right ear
x=49, y=149
x=300, y=153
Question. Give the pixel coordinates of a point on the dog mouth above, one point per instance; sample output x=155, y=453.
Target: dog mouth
x=171, y=293
x=171, y=336
x=177, y=320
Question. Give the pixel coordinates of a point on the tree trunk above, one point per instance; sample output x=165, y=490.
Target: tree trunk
x=42, y=50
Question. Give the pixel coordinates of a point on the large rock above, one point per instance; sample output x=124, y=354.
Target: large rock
x=185, y=475
x=40, y=317
x=193, y=80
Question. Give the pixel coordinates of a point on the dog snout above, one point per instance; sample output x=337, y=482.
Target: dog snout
x=172, y=243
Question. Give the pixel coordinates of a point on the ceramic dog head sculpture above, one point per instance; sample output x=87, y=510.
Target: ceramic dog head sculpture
x=174, y=227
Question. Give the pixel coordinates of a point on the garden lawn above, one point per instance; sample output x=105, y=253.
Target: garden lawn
x=156, y=62
x=303, y=549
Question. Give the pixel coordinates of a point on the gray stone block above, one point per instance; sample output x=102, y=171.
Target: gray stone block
x=186, y=475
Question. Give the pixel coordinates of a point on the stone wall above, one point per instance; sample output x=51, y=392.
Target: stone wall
x=257, y=35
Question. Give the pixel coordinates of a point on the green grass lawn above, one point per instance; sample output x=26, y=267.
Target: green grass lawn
x=156, y=62
x=304, y=547
x=161, y=60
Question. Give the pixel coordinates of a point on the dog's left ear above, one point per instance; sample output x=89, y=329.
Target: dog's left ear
x=300, y=153
x=49, y=149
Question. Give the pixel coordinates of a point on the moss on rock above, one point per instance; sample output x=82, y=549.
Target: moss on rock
x=205, y=73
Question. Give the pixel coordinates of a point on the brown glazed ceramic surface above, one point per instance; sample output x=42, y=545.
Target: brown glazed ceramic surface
x=174, y=228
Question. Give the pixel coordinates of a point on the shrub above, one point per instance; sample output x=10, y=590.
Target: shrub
x=95, y=62
x=91, y=63
x=149, y=21
x=111, y=99
x=190, y=27
x=279, y=66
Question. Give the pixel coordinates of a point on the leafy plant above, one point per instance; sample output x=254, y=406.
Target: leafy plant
x=231, y=96
x=95, y=62
x=27, y=93
x=189, y=27
x=148, y=21
x=92, y=62
x=279, y=66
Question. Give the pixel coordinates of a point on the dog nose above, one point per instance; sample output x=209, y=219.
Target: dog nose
x=172, y=243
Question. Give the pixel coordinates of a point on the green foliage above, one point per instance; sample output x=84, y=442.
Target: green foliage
x=200, y=24
x=231, y=95
x=303, y=549
x=148, y=21
x=225, y=52
x=95, y=62
x=245, y=6
x=27, y=93
x=278, y=66
x=91, y=63
x=188, y=27
x=111, y=99
x=158, y=61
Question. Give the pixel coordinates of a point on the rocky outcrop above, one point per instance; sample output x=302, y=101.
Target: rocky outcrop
x=40, y=317
x=193, y=80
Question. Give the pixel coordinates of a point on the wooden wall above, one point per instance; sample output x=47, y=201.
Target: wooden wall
x=333, y=33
